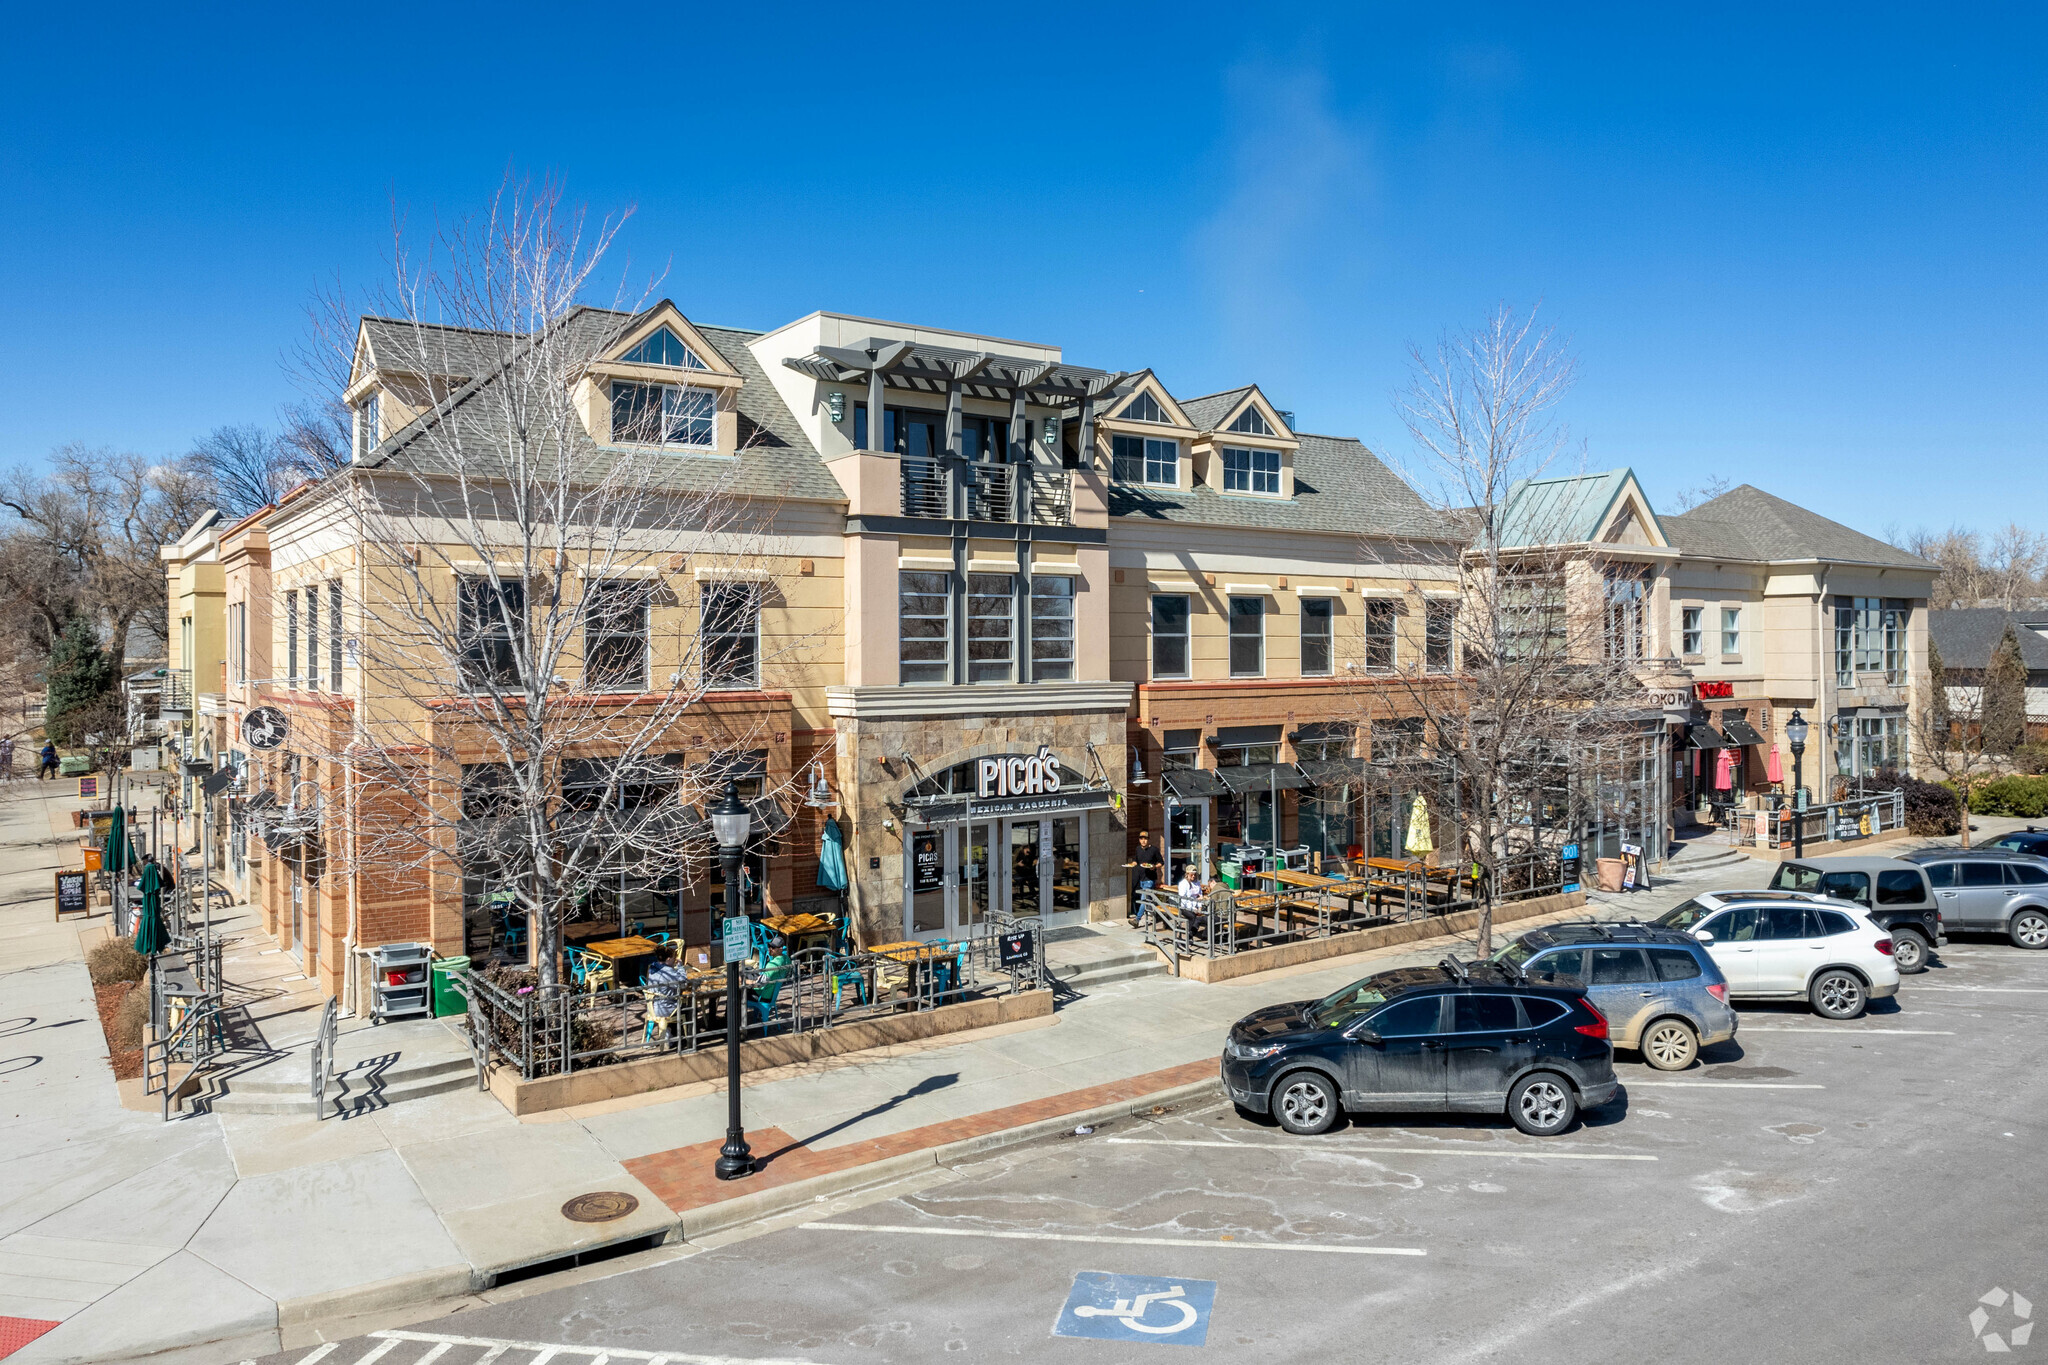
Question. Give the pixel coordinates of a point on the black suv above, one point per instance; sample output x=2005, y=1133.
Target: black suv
x=1456, y=1037
x=2028, y=840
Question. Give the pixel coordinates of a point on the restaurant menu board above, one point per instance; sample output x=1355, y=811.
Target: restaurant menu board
x=1570, y=868
x=71, y=894
x=88, y=787
x=927, y=861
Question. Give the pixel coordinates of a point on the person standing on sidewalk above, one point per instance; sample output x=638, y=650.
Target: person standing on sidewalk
x=7, y=757
x=49, y=761
x=1147, y=866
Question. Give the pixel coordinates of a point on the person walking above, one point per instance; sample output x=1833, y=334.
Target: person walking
x=1146, y=866
x=49, y=761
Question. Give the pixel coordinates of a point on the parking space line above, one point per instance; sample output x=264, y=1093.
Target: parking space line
x=1723, y=1085
x=1184, y=1243
x=1491, y=1150
x=1814, y=1028
x=1988, y=990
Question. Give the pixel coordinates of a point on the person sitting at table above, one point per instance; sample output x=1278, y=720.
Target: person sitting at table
x=665, y=981
x=1192, y=895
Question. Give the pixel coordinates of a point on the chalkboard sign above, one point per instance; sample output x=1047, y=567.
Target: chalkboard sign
x=71, y=894
x=928, y=864
x=89, y=787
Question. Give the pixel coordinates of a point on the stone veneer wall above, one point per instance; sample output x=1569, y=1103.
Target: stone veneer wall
x=867, y=786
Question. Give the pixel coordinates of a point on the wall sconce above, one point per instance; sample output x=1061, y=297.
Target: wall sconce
x=888, y=824
x=1138, y=778
x=835, y=403
x=1051, y=432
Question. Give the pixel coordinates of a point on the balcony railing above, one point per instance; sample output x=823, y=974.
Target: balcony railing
x=988, y=492
x=177, y=693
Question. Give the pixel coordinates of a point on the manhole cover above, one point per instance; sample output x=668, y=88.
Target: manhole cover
x=601, y=1207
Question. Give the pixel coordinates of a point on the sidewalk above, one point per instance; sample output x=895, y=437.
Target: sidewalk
x=224, y=1236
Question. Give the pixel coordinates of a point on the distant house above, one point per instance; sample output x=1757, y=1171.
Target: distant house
x=1966, y=637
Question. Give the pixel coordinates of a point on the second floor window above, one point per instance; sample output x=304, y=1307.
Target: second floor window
x=1731, y=630
x=334, y=633
x=1146, y=460
x=1315, y=637
x=924, y=604
x=991, y=627
x=1380, y=616
x=1692, y=635
x=291, y=637
x=1052, y=628
x=1251, y=471
x=615, y=636
x=1247, y=637
x=1170, y=636
x=664, y=415
x=732, y=635
x=1625, y=592
x=490, y=628
x=313, y=636
x=1439, y=636
x=1870, y=637
x=368, y=414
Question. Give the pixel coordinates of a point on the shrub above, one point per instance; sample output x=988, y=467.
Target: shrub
x=130, y=1018
x=1931, y=807
x=115, y=960
x=2026, y=797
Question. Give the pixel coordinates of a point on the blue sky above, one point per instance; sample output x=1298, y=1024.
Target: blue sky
x=1797, y=247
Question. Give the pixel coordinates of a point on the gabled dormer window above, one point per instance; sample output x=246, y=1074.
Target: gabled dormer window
x=367, y=425
x=664, y=415
x=1145, y=408
x=1251, y=471
x=1251, y=422
x=663, y=347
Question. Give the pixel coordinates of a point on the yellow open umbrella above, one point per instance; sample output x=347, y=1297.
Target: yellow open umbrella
x=1418, y=827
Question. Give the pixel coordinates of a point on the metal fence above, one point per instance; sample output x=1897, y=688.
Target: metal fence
x=541, y=1031
x=1225, y=921
x=1858, y=817
x=987, y=492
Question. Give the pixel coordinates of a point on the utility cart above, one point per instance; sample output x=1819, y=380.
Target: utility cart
x=403, y=990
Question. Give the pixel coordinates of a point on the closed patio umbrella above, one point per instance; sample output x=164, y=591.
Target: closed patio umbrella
x=1419, y=840
x=832, y=858
x=150, y=937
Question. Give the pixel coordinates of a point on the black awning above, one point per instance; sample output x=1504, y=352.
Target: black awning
x=1190, y=783
x=1704, y=736
x=1258, y=777
x=1741, y=731
x=1333, y=772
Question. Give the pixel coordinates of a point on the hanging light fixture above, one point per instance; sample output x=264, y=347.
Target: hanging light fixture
x=1138, y=778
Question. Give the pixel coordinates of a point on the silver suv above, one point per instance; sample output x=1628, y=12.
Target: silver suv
x=1660, y=989
x=1989, y=891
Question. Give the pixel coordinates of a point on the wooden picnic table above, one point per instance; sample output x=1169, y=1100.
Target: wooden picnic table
x=801, y=926
x=918, y=958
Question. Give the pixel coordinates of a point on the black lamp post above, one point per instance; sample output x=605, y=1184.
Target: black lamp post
x=730, y=821
x=1795, y=735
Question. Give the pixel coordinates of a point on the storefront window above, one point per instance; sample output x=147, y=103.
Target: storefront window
x=1245, y=817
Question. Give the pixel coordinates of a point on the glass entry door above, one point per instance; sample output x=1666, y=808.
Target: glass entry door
x=1026, y=844
x=956, y=875
x=1187, y=838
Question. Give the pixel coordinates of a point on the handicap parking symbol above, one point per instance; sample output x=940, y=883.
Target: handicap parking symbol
x=1166, y=1312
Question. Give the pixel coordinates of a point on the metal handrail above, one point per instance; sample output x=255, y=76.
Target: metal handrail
x=157, y=1055
x=994, y=494
x=323, y=1057
x=1052, y=497
x=925, y=492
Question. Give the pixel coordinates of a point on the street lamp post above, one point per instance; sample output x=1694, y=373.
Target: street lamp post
x=730, y=821
x=1795, y=734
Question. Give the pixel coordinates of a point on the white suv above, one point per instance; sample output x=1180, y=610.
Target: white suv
x=1788, y=945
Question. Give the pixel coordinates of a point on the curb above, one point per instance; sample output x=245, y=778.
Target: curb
x=751, y=1208
x=401, y=1291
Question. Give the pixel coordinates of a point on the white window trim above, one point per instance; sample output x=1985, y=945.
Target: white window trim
x=1223, y=453
x=1186, y=636
x=710, y=449
x=1317, y=590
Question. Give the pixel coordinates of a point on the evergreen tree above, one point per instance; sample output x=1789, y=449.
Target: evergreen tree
x=80, y=674
x=2004, y=708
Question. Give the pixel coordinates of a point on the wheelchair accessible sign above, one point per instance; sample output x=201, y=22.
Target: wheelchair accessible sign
x=1164, y=1312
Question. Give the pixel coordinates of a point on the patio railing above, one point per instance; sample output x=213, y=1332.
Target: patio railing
x=1859, y=817
x=1228, y=921
x=539, y=1031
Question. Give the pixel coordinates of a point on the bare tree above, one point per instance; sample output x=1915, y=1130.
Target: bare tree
x=1949, y=736
x=98, y=518
x=1529, y=688
x=528, y=663
x=1687, y=499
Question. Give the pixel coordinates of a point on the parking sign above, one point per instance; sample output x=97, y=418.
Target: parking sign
x=1164, y=1312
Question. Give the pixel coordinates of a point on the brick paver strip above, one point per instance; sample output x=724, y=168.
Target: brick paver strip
x=682, y=1178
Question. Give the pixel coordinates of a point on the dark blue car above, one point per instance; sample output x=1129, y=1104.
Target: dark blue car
x=1455, y=1038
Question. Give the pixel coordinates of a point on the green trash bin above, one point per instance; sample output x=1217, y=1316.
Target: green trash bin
x=448, y=997
x=1231, y=875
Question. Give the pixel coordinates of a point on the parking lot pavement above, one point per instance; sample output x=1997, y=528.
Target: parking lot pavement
x=1811, y=1191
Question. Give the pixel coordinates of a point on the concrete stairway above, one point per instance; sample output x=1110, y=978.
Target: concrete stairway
x=1085, y=957
x=1702, y=855
x=373, y=1069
